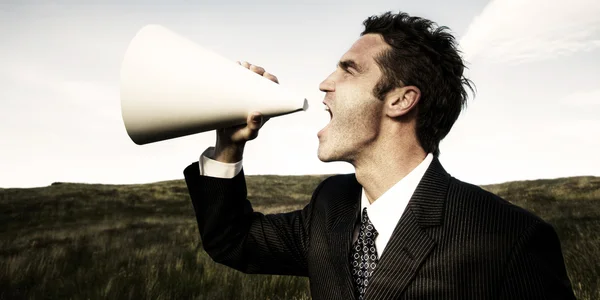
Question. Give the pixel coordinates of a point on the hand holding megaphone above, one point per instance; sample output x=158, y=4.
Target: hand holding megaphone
x=229, y=147
x=255, y=118
x=172, y=87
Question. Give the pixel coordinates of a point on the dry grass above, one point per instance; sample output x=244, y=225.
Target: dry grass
x=88, y=241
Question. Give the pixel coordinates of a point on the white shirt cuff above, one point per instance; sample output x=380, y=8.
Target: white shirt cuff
x=212, y=168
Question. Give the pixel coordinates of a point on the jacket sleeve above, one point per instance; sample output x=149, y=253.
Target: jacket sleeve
x=536, y=269
x=235, y=235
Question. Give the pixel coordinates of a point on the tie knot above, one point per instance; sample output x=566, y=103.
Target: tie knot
x=366, y=225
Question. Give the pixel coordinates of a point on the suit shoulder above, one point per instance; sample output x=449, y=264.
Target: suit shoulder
x=340, y=180
x=338, y=189
x=489, y=206
x=336, y=183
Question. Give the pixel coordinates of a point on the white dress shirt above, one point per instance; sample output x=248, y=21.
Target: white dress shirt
x=384, y=213
x=212, y=168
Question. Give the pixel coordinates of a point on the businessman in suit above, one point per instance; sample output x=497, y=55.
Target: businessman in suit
x=400, y=227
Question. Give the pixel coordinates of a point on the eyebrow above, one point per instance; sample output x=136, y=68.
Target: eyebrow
x=346, y=64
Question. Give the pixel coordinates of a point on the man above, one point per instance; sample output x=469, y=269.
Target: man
x=400, y=227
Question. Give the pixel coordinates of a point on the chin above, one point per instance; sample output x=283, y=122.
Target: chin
x=325, y=160
x=323, y=155
x=328, y=156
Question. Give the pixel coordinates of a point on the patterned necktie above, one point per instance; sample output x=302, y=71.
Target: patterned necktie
x=364, y=256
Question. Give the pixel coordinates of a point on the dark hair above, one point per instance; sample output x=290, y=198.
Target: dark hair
x=425, y=56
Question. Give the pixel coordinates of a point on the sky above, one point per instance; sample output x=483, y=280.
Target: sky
x=535, y=63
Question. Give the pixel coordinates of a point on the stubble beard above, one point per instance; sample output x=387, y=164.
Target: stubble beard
x=336, y=149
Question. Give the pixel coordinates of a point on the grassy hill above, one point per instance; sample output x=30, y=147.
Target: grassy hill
x=92, y=241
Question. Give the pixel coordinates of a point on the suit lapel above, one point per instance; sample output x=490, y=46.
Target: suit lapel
x=344, y=213
x=410, y=245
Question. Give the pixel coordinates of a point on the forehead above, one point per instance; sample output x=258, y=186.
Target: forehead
x=366, y=49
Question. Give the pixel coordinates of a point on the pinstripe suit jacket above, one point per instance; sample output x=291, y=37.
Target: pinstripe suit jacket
x=454, y=241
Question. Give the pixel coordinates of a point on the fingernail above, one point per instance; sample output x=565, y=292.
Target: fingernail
x=256, y=118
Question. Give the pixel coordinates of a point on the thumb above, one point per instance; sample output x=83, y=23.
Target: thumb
x=253, y=124
x=255, y=121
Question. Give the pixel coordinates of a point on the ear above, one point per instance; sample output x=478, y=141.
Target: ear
x=401, y=101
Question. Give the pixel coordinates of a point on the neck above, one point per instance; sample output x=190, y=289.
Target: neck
x=386, y=163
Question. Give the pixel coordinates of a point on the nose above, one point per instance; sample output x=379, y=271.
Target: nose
x=327, y=85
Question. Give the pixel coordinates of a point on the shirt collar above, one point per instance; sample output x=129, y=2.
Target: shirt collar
x=386, y=211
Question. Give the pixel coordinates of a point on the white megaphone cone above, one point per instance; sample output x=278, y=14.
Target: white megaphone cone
x=171, y=87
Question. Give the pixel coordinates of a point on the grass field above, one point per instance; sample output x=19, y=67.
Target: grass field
x=90, y=241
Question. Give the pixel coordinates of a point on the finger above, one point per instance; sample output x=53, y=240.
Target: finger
x=245, y=64
x=250, y=130
x=255, y=121
x=270, y=77
x=239, y=63
x=256, y=69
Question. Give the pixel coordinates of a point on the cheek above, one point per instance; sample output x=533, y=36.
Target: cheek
x=359, y=124
x=357, y=108
x=369, y=116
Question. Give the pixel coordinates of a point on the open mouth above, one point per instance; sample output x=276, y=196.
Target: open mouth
x=327, y=109
x=322, y=132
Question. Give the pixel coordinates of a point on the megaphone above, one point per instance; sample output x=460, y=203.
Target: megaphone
x=172, y=87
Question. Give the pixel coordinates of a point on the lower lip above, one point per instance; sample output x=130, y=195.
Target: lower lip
x=322, y=131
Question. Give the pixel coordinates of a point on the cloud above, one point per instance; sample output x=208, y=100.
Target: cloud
x=520, y=31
